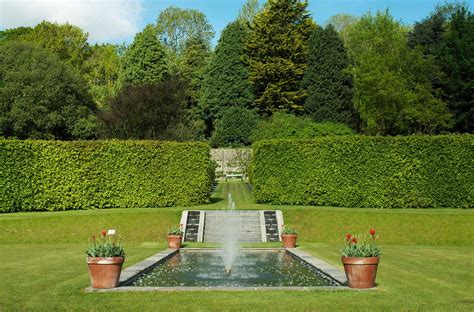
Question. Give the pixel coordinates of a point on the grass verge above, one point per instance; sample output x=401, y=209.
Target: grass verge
x=426, y=264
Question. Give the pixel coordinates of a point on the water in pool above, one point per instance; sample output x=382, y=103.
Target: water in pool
x=251, y=269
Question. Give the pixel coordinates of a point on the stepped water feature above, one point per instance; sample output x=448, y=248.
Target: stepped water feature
x=231, y=227
x=255, y=225
x=249, y=229
x=231, y=266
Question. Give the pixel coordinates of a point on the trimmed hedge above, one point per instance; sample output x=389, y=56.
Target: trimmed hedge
x=360, y=171
x=55, y=175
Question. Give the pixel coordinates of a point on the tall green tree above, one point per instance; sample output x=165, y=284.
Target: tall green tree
x=42, y=97
x=277, y=51
x=145, y=61
x=446, y=36
x=226, y=82
x=176, y=26
x=456, y=59
x=393, y=92
x=329, y=85
x=101, y=72
x=429, y=32
x=67, y=41
x=193, y=63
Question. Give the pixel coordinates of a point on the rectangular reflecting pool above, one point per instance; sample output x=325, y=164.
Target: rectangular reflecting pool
x=253, y=268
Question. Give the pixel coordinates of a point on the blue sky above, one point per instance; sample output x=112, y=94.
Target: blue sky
x=116, y=21
x=222, y=12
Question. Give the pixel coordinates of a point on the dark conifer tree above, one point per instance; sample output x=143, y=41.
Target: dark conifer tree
x=328, y=85
x=226, y=82
x=447, y=37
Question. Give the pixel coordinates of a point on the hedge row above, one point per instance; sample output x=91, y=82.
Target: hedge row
x=359, y=171
x=55, y=175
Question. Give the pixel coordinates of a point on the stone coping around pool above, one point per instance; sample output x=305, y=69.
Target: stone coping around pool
x=132, y=271
x=147, y=264
x=323, y=267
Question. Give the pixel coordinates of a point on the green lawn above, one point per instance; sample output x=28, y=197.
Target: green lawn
x=427, y=261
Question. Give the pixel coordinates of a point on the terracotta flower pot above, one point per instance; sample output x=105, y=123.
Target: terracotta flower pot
x=104, y=272
x=361, y=272
x=174, y=241
x=289, y=240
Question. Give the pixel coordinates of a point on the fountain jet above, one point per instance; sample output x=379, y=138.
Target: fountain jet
x=231, y=225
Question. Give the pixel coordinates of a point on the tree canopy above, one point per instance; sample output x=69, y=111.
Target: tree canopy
x=145, y=111
x=145, y=60
x=193, y=63
x=393, y=92
x=248, y=12
x=101, y=71
x=328, y=84
x=235, y=127
x=277, y=51
x=40, y=96
x=289, y=126
x=226, y=81
x=176, y=26
x=371, y=73
x=67, y=41
x=446, y=36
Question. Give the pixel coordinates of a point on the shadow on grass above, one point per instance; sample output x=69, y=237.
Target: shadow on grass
x=215, y=200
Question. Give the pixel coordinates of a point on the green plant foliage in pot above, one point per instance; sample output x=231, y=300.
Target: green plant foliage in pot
x=360, y=257
x=105, y=257
x=289, y=236
x=174, y=237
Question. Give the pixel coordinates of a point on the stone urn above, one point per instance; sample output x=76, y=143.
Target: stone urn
x=104, y=272
x=174, y=241
x=289, y=240
x=361, y=272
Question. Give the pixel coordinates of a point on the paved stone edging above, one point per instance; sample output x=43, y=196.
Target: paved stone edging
x=216, y=288
x=320, y=265
x=132, y=271
x=144, y=265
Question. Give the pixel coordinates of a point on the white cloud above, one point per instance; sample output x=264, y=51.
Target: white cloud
x=104, y=20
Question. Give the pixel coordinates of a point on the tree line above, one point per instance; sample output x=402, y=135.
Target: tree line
x=274, y=72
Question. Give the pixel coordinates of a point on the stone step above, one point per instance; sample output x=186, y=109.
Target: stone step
x=237, y=219
x=237, y=222
x=248, y=222
x=220, y=226
x=241, y=233
x=217, y=240
x=221, y=238
x=235, y=213
x=211, y=234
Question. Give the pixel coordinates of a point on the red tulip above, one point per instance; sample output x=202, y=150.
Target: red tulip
x=104, y=232
x=354, y=240
x=372, y=232
x=348, y=236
